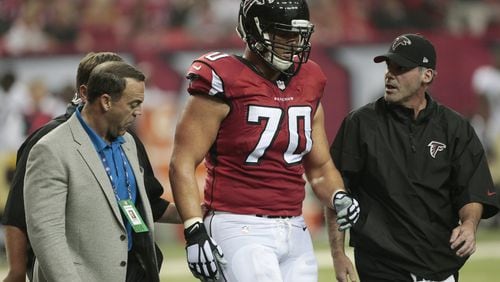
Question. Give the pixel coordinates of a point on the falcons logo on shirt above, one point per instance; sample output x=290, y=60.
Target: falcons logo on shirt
x=435, y=147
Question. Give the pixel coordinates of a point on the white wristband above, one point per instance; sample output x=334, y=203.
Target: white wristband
x=333, y=197
x=191, y=221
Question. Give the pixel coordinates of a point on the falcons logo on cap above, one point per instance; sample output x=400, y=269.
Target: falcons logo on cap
x=401, y=41
x=435, y=147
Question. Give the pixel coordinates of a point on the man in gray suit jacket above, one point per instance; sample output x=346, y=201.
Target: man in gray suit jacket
x=87, y=213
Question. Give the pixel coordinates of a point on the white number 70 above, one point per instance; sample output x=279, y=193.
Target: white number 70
x=273, y=116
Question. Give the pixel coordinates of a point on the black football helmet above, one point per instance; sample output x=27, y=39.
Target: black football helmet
x=261, y=21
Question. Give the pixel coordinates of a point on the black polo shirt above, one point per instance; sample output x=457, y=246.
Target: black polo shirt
x=411, y=177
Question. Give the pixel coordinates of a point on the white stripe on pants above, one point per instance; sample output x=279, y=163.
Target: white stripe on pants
x=449, y=279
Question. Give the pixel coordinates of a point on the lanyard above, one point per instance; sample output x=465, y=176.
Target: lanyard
x=134, y=219
x=108, y=172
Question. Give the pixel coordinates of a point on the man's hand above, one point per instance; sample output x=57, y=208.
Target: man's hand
x=463, y=239
x=344, y=269
x=347, y=209
x=204, y=256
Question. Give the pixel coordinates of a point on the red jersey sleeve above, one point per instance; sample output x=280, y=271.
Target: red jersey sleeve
x=203, y=78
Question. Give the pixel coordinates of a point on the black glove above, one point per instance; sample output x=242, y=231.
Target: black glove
x=347, y=209
x=204, y=256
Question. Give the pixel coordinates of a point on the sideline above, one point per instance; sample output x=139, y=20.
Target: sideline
x=175, y=268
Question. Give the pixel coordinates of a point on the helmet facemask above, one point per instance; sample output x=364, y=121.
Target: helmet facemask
x=282, y=40
x=284, y=46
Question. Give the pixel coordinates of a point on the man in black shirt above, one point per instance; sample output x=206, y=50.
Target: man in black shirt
x=19, y=254
x=419, y=173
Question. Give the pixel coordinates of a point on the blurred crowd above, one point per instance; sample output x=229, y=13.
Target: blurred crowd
x=486, y=120
x=24, y=107
x=41, y=26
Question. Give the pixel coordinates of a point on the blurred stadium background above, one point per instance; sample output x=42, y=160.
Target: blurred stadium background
x=42, y=41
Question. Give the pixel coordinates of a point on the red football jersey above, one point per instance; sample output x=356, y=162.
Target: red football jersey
x=255, y=164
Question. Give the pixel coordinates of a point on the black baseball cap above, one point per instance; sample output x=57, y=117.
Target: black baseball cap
x=410, y=50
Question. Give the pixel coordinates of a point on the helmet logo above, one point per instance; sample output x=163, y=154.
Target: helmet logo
x=249, y=3
x=401, y=41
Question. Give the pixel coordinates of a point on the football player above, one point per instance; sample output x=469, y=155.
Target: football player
x=257, y=120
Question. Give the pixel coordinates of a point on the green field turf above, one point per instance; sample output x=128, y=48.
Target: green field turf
x=483, y=266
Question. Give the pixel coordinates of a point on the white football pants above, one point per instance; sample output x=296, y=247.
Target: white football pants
x=259, y=249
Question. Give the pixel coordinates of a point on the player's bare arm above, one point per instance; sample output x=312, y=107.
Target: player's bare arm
x=171, y=214
x=463, y=237
x=195, y=133
x=344, y=269
x=320, y=171
x=325, y=179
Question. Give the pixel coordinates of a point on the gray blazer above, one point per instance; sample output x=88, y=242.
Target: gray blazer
x=73, y=219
